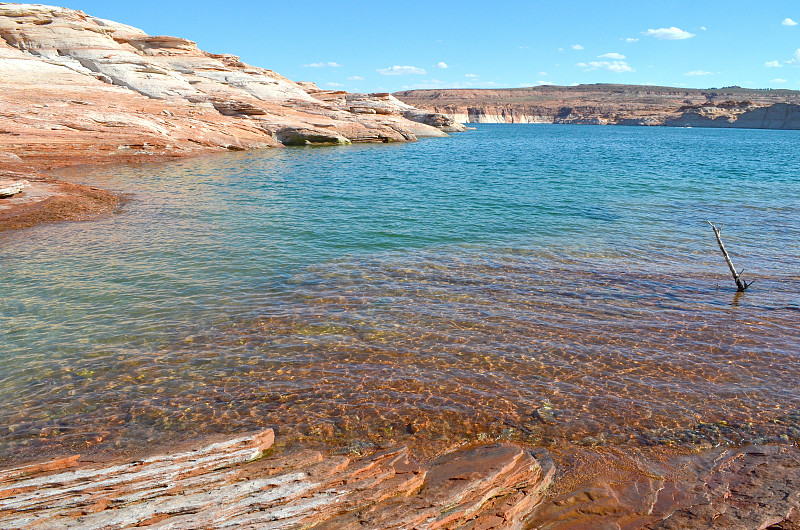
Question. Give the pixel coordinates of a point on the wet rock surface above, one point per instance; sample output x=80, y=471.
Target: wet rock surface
x=46, y=200
x=754, y=487
x=745, y=488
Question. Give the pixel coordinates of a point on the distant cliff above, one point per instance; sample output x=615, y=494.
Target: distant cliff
x=603, y=104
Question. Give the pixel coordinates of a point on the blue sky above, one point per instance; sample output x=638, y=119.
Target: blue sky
x=369, y=46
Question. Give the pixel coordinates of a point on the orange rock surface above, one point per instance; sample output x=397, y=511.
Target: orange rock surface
x=247, y=482
x=237, y=483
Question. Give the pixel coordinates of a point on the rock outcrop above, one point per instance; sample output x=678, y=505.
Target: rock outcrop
x=777, y=116
x=738, y=488
x=615, y=105
x=78, y=89
x=240, y=483
x=9, y=188
x=247, y=482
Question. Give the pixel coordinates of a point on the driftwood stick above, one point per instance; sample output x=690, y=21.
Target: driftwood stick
x=741, y=285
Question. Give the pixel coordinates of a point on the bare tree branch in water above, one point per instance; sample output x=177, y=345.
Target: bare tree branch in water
x=741, y=285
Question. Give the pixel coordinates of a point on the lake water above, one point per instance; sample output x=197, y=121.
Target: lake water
x=547, y=284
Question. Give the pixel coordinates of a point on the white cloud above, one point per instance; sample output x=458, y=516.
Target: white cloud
x=355, y=78
x=577, y=47
x=772, y=64
x=795, y=58
x=788, y=22
x=334, y=84
x=544, y=83
x=330, y=64
x=441, y=64
x=778, y=81
x=613, y=55
x=702, y=28
x=402, y=70
x=699, y=72
x=616, y=67
x=672, y=33
x=542, y=73
x=631, y=39
x=472, y=76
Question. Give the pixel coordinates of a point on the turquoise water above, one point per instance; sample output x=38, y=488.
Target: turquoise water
x=544, y=283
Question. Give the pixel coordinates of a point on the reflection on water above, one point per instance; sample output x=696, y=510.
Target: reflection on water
x=341, y=301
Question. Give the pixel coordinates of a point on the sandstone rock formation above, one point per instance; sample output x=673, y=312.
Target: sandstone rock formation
x=615, y=105
x=238, y=484
x=78, y=89
x=776, y=116
x=246, y=482
x=745, y=488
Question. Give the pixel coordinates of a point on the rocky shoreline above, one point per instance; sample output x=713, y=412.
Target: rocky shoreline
x=81, y=90
x=252, y=482
x=78, y=90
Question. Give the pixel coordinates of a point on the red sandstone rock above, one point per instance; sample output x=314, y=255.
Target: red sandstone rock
x=235, y=484
x=230, y=485
x=754, y=487
x=47, y=200
x=749, y=488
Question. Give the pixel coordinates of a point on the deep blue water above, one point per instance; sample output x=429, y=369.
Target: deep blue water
x=463, y=283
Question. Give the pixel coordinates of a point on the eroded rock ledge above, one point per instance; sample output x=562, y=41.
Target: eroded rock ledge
x=238, y=484
x=82, y=90
x=246, y=482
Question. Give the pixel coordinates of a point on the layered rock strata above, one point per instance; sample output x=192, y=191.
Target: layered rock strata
x=9, y=188
x=247, y=482
x=237, y=483
x=615, y=105
x=77, y=89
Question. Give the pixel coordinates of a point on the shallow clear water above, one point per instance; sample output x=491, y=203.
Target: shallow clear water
x=543, y=283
